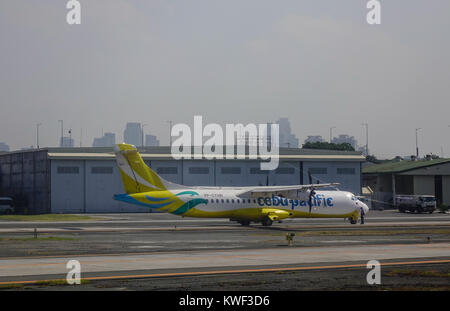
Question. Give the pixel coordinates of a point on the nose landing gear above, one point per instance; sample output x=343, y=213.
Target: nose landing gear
x=352, y=221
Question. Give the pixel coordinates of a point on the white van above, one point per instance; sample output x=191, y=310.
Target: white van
x=6, y=205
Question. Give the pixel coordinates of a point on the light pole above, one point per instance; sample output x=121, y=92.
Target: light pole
x=62, y=132
x=417, y=143
x=37, y=134
x=331, y=132
x=170, y=132
x=367, y=137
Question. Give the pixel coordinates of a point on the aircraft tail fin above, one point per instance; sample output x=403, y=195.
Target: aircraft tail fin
x=136, y=175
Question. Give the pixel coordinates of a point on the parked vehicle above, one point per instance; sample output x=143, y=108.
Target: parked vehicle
x=6, y=205
x=416, y=203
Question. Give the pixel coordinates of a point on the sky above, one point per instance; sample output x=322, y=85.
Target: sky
x=317, y=62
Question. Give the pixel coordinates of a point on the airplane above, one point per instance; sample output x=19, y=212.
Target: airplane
x=258, y=204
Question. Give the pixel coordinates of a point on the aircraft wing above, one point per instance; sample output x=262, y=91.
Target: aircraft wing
x=285, y=191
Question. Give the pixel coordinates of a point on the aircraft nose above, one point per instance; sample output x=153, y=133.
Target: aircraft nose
x=365, y=208
x=362, y=206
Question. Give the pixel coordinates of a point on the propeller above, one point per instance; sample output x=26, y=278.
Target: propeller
x=312, y=193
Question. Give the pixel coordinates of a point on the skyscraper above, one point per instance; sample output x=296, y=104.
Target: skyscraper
x=66, y=142
x=287, y=138
x=344, y=138
x=151, y=140
x=314, y=139
x=133, y=134
x=108, y=140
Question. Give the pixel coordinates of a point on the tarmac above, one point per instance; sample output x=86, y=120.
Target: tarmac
x=132, y=247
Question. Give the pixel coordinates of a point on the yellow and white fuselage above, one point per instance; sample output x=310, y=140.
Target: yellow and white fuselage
x=243, y=204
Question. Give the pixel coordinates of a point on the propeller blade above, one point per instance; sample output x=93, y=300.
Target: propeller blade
x=312, y=194
x=310, y=203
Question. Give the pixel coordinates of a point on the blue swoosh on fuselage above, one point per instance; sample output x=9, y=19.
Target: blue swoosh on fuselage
x=129, y=199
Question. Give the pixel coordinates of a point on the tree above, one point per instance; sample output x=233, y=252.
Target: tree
x=328, y=146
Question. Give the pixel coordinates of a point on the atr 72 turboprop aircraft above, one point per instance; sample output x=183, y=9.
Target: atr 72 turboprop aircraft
x=242, y=204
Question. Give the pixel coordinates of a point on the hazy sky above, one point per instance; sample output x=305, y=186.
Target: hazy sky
x=317, y=62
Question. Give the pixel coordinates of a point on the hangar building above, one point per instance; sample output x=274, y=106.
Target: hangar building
x=389, y=179
x=84, y=180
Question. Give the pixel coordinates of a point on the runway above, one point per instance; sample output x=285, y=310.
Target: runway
x=210, y=262
x=149, y=246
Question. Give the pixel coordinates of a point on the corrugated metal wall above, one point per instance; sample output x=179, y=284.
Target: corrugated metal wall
x=87, y=186
x=347, y=173
x=26, y=177
x=446, y=190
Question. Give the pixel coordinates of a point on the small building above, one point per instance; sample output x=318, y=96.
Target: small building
x=396, y=177
x=84, y=180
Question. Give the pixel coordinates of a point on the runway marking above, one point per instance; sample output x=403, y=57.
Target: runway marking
x=194, y=273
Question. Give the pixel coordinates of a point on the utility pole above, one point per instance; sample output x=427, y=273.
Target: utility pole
x=417, y=144
x=331, y=132
x=367, y=137
x=37, y=135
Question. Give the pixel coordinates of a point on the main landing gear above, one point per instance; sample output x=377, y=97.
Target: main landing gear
x=244, y=222
x=267, y=222
x=354, y=221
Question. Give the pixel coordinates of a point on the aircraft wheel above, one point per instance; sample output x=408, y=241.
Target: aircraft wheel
x=352, y=221
x=244, y=222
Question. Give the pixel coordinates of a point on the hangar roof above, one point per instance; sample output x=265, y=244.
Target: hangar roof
x=401, y=166
x=163, y=152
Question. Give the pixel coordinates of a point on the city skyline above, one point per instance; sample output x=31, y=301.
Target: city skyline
x=319, y=63
x=109, y=139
